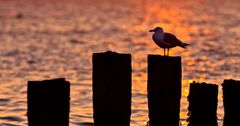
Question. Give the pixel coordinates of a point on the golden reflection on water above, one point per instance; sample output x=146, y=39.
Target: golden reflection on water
x=172, y=20
x=157, y=13
x=57, y=40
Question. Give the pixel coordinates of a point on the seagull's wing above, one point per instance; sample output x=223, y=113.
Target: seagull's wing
x=170, y=38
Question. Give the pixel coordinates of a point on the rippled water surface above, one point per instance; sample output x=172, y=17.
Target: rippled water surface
x=50, y=39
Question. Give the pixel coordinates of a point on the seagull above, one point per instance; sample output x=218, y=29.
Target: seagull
x=166, y=40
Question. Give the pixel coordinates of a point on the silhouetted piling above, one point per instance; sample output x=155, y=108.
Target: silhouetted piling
x=203, y=99
x=48, y=102
x=164, y=90
x=112, y=89
x=231, y=100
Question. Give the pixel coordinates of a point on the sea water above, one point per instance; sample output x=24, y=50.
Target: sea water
x=56, y=38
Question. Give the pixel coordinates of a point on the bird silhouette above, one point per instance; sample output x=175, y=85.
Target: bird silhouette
x=166, y=40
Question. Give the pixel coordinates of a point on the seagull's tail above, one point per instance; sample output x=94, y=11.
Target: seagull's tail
x=184, y=45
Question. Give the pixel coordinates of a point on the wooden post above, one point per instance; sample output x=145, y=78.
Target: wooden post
x=231, y=102
x=203, y=99
x=48, y=102
x=112, y=89
x=164, y=90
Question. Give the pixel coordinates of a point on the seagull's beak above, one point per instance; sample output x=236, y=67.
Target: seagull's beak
x=151, y=30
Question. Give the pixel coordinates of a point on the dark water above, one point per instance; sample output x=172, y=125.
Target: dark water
x=49, y=39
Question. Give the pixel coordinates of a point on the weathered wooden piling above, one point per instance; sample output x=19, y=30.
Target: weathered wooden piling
x=231, y=102
x=48, y=102
x=203, y=101
x=112, y=89
x=164, y=90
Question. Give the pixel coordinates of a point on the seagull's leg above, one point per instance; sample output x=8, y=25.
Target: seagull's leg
x=168, y=51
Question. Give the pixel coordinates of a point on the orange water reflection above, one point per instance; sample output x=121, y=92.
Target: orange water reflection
x=167, y=15
x=58, y=39
x=174, y=18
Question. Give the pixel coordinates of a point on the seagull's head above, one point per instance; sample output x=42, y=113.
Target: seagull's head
x=157, y=29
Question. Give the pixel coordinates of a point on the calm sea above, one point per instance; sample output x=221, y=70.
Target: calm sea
x=56, y=38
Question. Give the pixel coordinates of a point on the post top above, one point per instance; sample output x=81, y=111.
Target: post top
x=160, y=56
x=50, y=81
x=108, y=53
x=231, y=81
x=203, y=84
